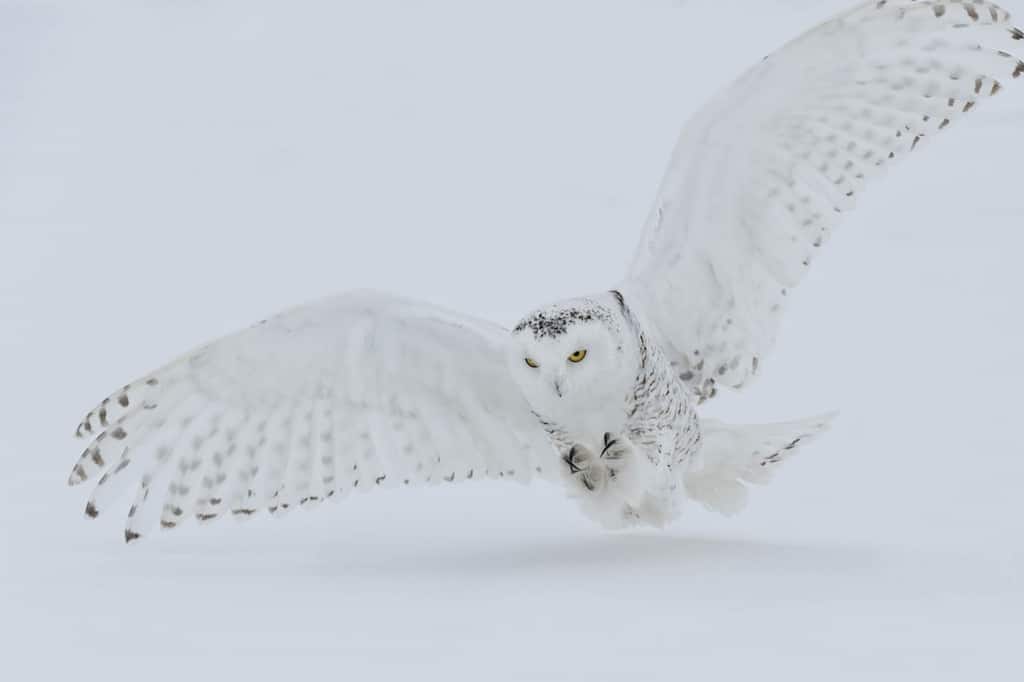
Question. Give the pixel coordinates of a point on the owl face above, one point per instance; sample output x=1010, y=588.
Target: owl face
x=566, y=354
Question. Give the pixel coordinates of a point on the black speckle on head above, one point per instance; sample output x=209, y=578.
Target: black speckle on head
x=555, y=321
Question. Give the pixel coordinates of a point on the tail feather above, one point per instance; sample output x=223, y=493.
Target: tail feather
x=733, y=457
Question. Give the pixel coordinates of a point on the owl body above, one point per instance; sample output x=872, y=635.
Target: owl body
x=627, y=428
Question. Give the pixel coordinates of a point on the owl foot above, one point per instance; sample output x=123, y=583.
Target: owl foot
x=615, y=455
x=585, y=470
x=614, y=478
x=629, y=470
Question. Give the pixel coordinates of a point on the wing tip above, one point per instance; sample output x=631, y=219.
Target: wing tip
x=131, y=536
x=91, y=511
x=78, y=476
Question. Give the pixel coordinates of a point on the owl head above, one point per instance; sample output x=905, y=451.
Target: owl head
x=572, y=351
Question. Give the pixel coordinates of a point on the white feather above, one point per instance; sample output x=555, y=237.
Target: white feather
x=352, y=392
x=763, y=173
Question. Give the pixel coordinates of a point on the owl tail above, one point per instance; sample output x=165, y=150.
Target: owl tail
x=733, y=457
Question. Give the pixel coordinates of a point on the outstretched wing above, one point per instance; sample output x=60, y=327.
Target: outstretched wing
x=359, y=391
x=763, y=174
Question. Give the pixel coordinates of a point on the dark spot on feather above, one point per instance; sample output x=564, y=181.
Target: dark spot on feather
x=91, y=511
x=119, y=434
x=130, y=536
x=123, y=400
x=206, y=517
x=168, y=524
x=380, y=479
x=243, y=512
x=97, y=458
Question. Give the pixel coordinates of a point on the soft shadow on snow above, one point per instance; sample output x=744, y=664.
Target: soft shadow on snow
x=398, y=559
x=635, y=552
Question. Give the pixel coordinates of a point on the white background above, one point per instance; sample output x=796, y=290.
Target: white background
x=171, y=171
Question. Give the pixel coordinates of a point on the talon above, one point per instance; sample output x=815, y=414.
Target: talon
x=570, y=459
x=609, y=442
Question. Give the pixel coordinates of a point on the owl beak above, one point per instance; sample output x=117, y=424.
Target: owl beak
x=560, y=387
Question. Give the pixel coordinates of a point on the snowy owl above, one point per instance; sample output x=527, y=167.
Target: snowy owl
x=599, y=394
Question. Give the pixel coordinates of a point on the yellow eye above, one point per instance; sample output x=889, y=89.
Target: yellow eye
x=532, y=363
x=578, y=356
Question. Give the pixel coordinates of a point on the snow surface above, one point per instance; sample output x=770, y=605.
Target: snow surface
x=171, y=171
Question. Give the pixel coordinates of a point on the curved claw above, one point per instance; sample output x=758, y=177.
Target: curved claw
x=570, y=459
x=609, y=442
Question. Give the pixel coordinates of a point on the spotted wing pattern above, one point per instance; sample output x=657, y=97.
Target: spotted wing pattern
x=353, y=393
x=764, y=173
